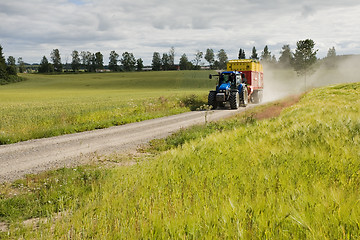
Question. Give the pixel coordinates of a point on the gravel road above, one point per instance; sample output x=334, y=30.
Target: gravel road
x=38, y=155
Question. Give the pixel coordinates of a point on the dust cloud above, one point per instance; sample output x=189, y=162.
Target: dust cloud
x=280, y=83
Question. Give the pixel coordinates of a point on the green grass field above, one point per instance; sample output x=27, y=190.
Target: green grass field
x=295, y=176
x=51, y=105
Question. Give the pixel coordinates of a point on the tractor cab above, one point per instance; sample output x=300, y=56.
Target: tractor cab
x=230, y=78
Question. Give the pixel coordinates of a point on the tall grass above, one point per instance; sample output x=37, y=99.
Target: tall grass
x=50, y=105
x=292, y=177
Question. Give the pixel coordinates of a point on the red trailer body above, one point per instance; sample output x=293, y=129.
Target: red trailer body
x=253, y=72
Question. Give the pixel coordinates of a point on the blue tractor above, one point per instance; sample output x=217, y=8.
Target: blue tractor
x=231, y=88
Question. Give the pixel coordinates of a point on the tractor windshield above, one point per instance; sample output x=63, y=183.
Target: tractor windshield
x=224, y=78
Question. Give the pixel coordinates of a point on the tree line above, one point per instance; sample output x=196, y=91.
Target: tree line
x=301, y=60
x=9, y=69
x=92, y=62
x=303, y=57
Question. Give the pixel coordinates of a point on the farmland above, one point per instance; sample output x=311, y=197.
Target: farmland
x=292, y=176
x=51, y=105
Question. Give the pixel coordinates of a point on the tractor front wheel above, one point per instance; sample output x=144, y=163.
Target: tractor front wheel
x=212, y=100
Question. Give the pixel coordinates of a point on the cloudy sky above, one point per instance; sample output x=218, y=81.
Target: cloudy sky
x=33, y=28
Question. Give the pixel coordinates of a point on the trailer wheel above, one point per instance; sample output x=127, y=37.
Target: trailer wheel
x=256, y=97
x=244, y=97
x=212, y=99
x=260, y=96
x=234, y=100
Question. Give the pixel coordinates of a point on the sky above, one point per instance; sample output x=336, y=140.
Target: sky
x=31, y=29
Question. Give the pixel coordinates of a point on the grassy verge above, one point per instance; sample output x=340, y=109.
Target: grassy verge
x=295, y=176
x=47, y=193
x=51, y=105
x=179, y=138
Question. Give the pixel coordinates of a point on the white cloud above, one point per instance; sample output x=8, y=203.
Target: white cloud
x=32, y=28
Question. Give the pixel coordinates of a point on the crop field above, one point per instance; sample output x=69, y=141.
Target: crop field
x=295, y=176
x=51, y=105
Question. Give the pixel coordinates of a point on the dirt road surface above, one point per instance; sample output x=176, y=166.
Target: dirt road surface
x=34, y=156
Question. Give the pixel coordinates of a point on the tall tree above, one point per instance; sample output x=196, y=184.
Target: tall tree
x=92, y=66
x=113, y=61
x=128, y=61
x=305, y=56
x=223, y=58
x=241, y=54
x=254, y=54
x=266, y=55
x=99, y=60
x=139, y=64
x=56, y=59
x=210, y=56
x=11, y=61
x=165, y=62
x=273, y=59
x=172, y=57
x=11, y=66
x=3, y=72
x=21, y=65
x=45, y=66
x=156, y=62
x=286, y=56
x=183, y=63
x=331, y=53
x=86, y=58
x=197, y=60
x=330, y=59
x=75, y=62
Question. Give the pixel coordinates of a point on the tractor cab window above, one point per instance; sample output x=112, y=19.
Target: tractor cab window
x=224, y=78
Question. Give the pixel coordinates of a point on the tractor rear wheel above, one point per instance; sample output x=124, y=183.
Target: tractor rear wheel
x=234, y=100
x=212, y=100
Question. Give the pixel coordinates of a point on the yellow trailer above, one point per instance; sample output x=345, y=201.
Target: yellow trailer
x=253, y=72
